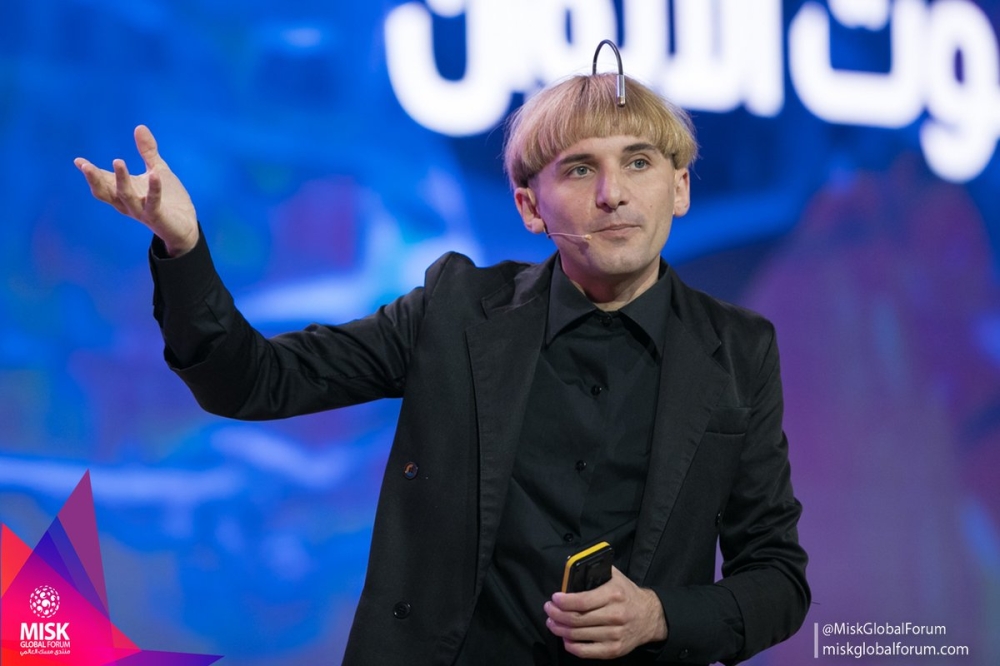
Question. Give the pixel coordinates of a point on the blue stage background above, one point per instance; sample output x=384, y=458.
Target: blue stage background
x=859, y=213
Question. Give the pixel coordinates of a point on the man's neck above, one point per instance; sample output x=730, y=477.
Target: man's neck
x=609, y=294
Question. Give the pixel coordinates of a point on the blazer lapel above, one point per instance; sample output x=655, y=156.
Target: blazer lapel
x=691, y=382
x=503, y=352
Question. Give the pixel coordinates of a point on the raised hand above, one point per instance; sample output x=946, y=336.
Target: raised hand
x=156, y=198
x=606, y=622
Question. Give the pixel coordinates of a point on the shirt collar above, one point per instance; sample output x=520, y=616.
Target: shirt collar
x=650, y=311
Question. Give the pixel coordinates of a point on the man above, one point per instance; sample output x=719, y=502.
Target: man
x=546, y=407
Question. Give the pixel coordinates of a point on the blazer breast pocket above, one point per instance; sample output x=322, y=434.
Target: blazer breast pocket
x=728, y=421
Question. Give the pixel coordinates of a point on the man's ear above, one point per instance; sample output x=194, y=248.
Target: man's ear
x=527, y=206
x=682, y=191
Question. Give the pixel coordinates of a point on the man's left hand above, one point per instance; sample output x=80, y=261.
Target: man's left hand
x=609, y=621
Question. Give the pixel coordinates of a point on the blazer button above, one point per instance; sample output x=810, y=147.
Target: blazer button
x=718, y=519
x=410, y=470
x=683, y=654
x=401, y=610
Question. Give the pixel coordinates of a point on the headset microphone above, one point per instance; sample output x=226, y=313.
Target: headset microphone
x=585, y=237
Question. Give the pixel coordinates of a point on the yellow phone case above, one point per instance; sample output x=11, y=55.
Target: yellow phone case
x=595, y=552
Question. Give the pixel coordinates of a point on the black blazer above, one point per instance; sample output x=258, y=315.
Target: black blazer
x=461, y=352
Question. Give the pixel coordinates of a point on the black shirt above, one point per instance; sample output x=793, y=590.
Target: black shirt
x=580, y=468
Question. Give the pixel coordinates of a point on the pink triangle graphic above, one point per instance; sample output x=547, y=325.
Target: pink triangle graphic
x=13, y=554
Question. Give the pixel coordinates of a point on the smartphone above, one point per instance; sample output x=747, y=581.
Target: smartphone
x=589, y=568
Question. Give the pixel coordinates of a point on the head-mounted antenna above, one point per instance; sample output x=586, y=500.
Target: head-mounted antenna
x=620, y=79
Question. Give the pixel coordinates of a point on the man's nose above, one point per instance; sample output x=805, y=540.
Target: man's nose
x=610, y=191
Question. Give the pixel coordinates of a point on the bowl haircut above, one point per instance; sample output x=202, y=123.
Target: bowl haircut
x=584, y=107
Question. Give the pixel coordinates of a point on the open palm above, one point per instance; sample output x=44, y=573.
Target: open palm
x=156, y=198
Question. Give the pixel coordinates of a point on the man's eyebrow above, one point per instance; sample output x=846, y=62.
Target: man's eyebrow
x=576, y=157
x=642, y=146
x=639, y=147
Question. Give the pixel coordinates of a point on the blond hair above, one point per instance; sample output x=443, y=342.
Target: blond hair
x=584, y=107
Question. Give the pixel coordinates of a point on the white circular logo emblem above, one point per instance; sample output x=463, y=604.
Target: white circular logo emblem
x=44, y=602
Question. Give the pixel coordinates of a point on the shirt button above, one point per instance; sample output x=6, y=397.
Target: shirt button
x=410, y=470
x=568, y=537
x=595, y=390
x=606, y=320
x=401, y=610
x=581, y=465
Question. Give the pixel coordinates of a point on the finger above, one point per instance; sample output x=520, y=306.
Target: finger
x=594, y=649
x=153, y=194
x=101, y=182
x=586, y=634
x=579, y=602
x=583, y=602
x=146, y=144
x=569, y=618
x=589, y=635
x=591, y=642
x=124, y=191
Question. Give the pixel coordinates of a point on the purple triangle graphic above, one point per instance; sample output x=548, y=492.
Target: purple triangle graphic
x=80, y=523
x=48, y=551
x=154, y=658
x=69, y=565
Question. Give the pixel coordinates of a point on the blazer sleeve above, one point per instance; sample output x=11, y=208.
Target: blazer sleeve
x=763, y=564
x=234, y=371
x=763, y=595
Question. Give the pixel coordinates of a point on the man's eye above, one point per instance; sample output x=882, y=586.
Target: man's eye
x=640, y=163
x=580, y=170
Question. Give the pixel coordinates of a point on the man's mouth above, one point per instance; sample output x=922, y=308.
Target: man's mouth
x=616, y=227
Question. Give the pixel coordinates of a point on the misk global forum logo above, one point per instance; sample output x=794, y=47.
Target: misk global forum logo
x=53, y=599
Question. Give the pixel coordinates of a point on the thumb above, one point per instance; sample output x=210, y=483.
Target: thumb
x=146, y=144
